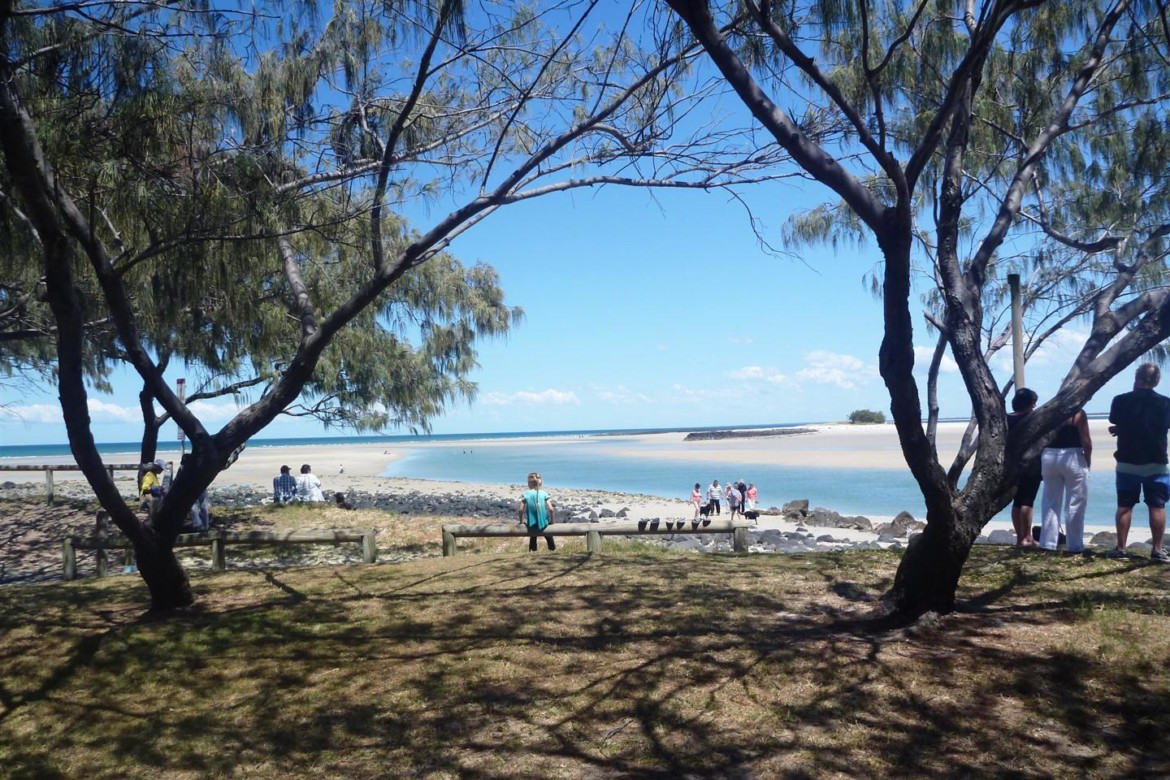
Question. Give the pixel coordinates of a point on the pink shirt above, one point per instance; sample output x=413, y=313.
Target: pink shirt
x=696, y=497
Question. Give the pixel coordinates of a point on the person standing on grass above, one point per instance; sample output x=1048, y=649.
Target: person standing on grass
x=1028, y=483
x=714, y=493
x=1140, y=419
x=1064, y=467
x=697, y=499
x=536, y=510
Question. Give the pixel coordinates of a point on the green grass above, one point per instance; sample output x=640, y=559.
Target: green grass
x=631, y=663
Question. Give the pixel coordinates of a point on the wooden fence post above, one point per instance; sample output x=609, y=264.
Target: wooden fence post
x=593, y=541
x=740, y=540
x=369, y=548
x=70, y=558
x=448, y=543
x=218, y=557
x=49, y=486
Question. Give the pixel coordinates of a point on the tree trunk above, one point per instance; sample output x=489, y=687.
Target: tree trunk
x=163, y=574
x=928, y=575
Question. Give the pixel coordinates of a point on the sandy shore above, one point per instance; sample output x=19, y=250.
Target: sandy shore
x=343, y=467
x=358, y=467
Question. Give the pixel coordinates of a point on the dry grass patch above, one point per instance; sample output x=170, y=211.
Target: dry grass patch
x=631, y=663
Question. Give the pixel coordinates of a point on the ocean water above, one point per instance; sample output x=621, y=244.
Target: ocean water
x=593, y=463
x=592, y=460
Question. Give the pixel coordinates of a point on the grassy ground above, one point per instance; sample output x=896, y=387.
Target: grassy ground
x=631, y=663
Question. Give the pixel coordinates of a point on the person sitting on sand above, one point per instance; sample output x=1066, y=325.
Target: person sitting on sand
x=152, y=482
x=284, y=487
x=697, y=499
x=536, y=510
x=308, y=486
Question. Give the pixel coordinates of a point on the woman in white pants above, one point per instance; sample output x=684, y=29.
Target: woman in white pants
x=1064, y=465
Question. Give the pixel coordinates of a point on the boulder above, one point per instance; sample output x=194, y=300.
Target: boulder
x=1104, y=539
x=1001, y=536
x=824, y=517
x=856, y=522
x=797, y=508
x=607, y=513
x=906, y=520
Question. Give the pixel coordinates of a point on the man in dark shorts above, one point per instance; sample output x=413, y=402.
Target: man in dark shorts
x=1140, y=420
x=1028, y=484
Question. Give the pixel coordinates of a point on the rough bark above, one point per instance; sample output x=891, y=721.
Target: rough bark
x=928, y=575
x=163, y=574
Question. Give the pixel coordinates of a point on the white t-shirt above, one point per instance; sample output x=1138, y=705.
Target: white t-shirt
x=309, y=488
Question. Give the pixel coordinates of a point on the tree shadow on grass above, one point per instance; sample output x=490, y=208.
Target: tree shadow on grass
x=619, y=666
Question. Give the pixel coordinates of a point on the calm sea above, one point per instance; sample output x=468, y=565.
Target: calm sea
x=590, y=460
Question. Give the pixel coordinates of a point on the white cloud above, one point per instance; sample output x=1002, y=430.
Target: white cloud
x=621, y=395
x=105, y=413
x=550, y=396
x=33, y=413
x=216, y=412
x=760, y=374
x=923, y=356
x=740, y=340
x=831, y=368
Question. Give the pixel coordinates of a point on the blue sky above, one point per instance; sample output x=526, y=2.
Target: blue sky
x=642, y=310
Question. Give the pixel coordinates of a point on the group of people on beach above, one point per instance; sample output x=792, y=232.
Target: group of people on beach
x=741, y=497
x=287, y=489
x=1139, y=420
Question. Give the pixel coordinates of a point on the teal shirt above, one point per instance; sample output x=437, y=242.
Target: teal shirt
x=536, y=509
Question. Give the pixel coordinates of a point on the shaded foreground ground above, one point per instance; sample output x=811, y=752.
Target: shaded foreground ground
x=632, y=663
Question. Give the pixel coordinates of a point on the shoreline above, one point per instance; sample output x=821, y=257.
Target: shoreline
x=360, y=467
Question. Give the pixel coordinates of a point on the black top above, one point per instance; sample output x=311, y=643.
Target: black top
x=1142, y=418
x=1067, y=437
x=1032, y=467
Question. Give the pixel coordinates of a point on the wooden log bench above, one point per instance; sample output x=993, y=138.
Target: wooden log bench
x=593, y=532
x=218, y=541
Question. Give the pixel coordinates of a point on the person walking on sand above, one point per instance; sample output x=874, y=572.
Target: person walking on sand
x=697, y=499
x=714, y=493
x=751, y=498
x=1028, y=483
x=734, y=499
x=1064, y=467
x=1140, y=419
x=536, y=510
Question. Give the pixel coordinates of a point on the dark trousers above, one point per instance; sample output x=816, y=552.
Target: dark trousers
x=547, y=537
x=715, y=502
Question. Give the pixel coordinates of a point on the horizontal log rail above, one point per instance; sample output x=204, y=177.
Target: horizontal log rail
x=218, y=540
x=593, y=532
x=49, y=468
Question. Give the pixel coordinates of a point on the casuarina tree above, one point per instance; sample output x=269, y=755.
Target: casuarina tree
x=955, y=136
x=232, y=188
